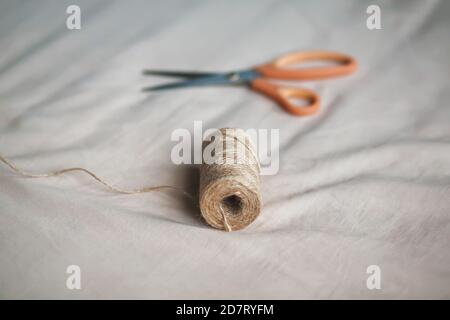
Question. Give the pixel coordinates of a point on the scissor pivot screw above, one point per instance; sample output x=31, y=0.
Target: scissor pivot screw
x=234, y=77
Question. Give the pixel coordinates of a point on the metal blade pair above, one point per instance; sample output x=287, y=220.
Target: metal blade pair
x=194, y=79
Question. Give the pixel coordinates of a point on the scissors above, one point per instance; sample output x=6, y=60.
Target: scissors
x=259, y=78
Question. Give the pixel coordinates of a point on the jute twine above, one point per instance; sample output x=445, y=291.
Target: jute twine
x=230, y=197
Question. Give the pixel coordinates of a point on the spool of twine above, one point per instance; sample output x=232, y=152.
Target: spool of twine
x=230, y=197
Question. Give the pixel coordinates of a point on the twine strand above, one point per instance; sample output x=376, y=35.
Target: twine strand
x=92, y=175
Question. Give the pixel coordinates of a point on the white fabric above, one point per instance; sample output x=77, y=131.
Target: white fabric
x=363, y=182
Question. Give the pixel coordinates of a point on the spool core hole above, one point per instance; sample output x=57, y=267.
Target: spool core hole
x=232, y=204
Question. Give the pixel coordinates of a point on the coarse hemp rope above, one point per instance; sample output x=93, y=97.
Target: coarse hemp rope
x=230, y=197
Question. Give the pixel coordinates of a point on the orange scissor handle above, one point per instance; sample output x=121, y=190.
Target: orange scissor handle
x=283, y=96
x=279, y=68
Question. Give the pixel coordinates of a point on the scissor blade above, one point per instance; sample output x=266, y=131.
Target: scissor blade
x=181, y=74
x=176, y=85
x=220, y=79
x=230, y=78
